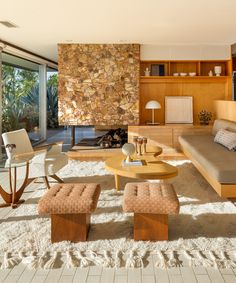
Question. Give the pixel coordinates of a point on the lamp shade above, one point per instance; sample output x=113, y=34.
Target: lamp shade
x=153, y=104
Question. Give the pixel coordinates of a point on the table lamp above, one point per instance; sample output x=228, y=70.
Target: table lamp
x=153, y=104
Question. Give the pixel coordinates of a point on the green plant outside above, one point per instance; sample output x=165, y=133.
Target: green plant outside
x=21, y=99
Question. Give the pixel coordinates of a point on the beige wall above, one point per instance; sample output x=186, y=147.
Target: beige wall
x=98, y=84
x=185, y=52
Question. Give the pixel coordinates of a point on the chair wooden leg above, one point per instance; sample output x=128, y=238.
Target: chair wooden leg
x=58, y=179
x=46, y=182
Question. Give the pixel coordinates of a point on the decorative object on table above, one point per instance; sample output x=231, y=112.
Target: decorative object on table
x=204, y=117
x=140, y=142
x=128, y=149
x=175, y=74
x=147, y=72
x=218, y=70
x=134, y=162
x=192, y=74
x=210, y=74
x=183, y=74
x=145, y=144
x=135, y=140
x=153, y=104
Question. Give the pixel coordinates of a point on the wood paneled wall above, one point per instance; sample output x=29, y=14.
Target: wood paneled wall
x=225, y=110
x=203, y=90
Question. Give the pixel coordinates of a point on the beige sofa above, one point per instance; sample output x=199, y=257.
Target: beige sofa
x=215, y=162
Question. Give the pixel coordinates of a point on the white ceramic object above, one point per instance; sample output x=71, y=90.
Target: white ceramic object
x=210, y=73
x=183, y=74
x=147, y=72
x=192, y=74
x=218, y=70
x=175, y=74
x=128, y=149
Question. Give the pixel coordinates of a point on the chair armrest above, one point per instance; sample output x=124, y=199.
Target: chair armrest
x=48, y=145
x=28, y=154
x=52, y=148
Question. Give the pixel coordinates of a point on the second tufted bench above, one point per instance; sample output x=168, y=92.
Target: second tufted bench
x=70, y=207
x=151, y=204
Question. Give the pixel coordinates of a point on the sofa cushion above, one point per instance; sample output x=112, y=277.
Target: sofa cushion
x=215, y=158
x=226, y=138
x=223, y=124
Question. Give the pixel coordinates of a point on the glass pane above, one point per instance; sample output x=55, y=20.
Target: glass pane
x=20, y=96
x=52, y=103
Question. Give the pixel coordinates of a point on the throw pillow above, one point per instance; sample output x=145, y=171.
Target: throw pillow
x=226, y=138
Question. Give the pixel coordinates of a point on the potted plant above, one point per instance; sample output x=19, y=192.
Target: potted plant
x=204, y=117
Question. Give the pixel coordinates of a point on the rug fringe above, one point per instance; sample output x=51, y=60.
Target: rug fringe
x=162, y=260
x=71, y=260
x=84, y=261
x=131, y=259
x=9, y=261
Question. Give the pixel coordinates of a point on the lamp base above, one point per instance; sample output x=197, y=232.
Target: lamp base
x=150, y=123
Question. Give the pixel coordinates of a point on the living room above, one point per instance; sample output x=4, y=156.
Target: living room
x=118, y=141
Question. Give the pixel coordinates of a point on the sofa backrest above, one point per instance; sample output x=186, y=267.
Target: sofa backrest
x=223, y=124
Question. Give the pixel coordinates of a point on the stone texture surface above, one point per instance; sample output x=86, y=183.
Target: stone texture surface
x=98, y=84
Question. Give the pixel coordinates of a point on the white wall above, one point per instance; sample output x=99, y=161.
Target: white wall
x=184, y=52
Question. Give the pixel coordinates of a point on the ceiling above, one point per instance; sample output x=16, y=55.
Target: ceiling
x=42, y=24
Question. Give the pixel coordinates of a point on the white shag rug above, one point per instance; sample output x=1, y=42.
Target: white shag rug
x=204, y=232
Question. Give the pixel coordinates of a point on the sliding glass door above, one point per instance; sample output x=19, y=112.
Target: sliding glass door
x=20, y=96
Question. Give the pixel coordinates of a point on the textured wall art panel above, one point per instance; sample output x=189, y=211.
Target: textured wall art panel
x=98, y=84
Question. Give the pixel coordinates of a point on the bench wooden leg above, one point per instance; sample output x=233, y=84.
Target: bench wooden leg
x=150, y=227
x=70, y=227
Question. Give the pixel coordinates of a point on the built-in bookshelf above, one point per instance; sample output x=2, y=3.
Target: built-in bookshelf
x=203, y=88
x=201, y=68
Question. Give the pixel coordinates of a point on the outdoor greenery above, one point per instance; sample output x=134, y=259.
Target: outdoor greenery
x=21, y=99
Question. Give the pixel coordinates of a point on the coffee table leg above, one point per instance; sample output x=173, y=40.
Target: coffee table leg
x=117, y=182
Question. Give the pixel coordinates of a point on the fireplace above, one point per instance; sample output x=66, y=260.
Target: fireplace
x=114, y=138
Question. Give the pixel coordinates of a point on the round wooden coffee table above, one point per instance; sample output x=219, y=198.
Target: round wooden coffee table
x=152, y=169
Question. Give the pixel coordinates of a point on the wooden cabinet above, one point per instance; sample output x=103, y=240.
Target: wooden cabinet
x=166, y=136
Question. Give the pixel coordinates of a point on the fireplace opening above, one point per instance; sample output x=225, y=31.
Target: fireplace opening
x=112, y=138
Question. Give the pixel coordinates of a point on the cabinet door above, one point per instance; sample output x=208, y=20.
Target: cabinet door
x=156, y=135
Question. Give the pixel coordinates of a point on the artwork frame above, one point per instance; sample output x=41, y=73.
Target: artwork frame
x=178, y=109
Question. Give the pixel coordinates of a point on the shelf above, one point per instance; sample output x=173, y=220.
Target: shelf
x=184, y=77
x=173, y=79
x=200, y=67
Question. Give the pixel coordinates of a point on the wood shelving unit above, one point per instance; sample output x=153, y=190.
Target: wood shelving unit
x=201, y=68
x=203, y=88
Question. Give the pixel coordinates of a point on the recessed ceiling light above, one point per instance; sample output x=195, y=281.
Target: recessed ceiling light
x=8, y=24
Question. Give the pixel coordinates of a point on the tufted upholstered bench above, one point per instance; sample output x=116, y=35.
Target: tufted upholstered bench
x=151, y=204
x=70, y=206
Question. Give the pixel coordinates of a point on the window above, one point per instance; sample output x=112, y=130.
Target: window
x=20, y=96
